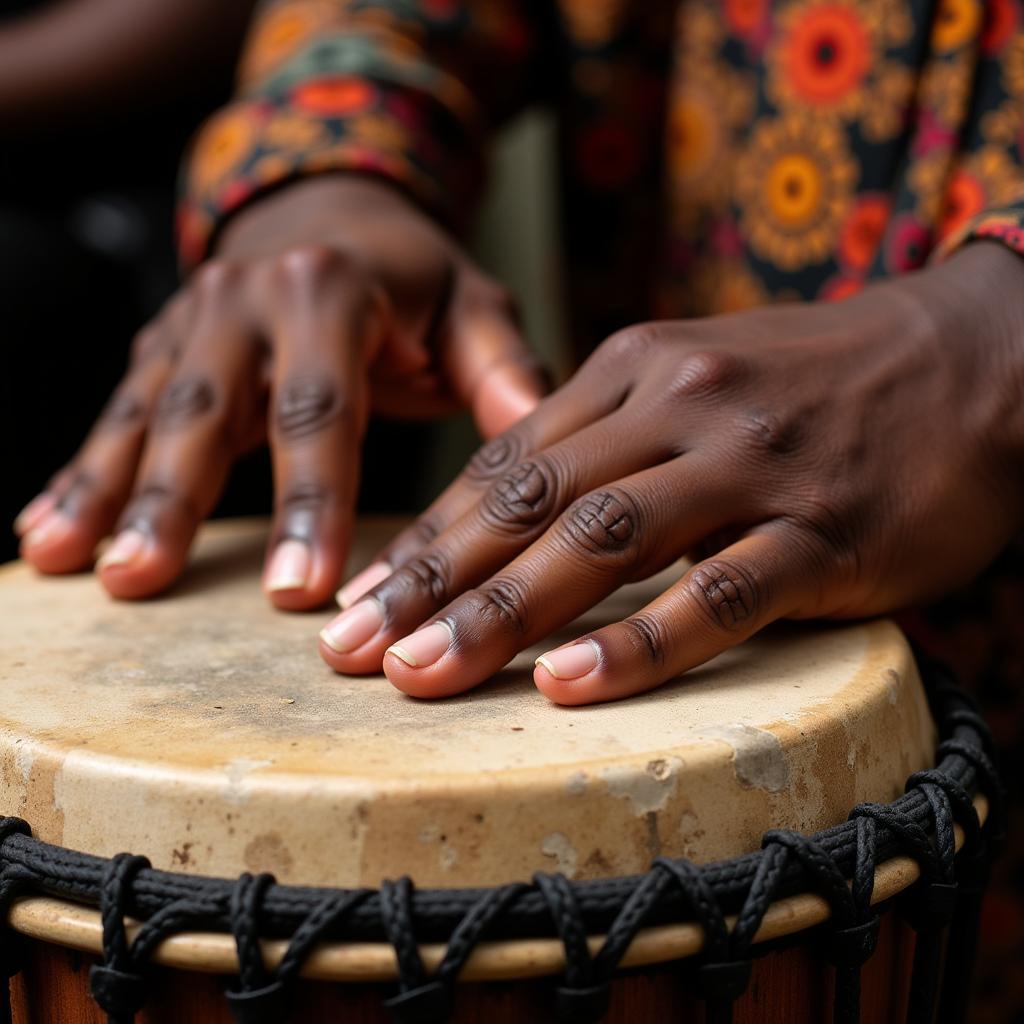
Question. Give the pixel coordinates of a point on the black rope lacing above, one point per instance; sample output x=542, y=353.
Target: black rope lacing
x=12, y=947
x=838, y=864
x=118, y=988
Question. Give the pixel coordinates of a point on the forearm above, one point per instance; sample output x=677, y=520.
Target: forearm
x=979, y=290
x=103, y=56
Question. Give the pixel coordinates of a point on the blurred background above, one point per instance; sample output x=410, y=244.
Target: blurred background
x=84, y=265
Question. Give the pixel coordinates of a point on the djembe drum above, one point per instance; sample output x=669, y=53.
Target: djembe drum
x=314, y=848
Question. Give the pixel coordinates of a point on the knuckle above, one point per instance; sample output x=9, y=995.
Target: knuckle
x=154, y=502
x=727, y=594
x=62, y=479
x=604, y=523
x=495, y=457
x=215, y=279
x=703, y=374
x=522, y=499
x=428, y=575
x=647, y=637
x=300, y=507
x=306, y=405
x=305, y=495
x=312, y=265
x=76, y=486
x=501, y=602
x=424, y=530
x=768, y=433
x=184, y=400
x=124, y=410
x=629, y=344
x=146, y=344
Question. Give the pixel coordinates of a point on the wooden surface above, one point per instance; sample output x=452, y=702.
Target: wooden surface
x=203, y=730
x=787, y=987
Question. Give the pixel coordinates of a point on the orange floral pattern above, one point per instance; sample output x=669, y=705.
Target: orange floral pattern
x=718, y=155
x=781, y=148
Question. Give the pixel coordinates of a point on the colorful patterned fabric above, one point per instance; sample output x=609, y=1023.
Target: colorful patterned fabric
x=775, y=150
x=715, y=155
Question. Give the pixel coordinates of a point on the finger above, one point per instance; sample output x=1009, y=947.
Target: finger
x=584, y=400
x=622, y=532
x=514, y=512
x=62, y=527
x=197, y=428
x=717, y=604
x=492, y=369
x=327, y=330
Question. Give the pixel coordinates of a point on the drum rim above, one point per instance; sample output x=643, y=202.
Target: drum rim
x=940, y=802
x=70, y=924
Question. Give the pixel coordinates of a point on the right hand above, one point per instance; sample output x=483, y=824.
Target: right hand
x=326, y=300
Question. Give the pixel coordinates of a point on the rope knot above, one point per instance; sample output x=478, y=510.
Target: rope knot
x=427, y=1004
x=12, y=946
x=121, y=994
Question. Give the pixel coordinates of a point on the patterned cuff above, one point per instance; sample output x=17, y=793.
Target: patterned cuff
x=319, y=125
x=1001, y=224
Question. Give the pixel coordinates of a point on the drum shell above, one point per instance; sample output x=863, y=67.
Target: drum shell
x=790, y=984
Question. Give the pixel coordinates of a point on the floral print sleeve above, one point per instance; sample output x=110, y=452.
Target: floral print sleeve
x=985, y=195
x=403, y=89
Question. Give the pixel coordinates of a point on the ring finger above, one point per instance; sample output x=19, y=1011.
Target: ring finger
x=195, y=432
x=581, y=402
x=622, y=532
x=513, y=512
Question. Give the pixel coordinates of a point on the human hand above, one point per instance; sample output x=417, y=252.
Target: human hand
x=824, y=460
x=328, y=299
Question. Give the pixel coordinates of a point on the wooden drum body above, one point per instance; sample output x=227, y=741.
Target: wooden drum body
x=203, y=731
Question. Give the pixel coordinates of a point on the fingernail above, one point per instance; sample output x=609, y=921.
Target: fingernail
x=289, y=567
x=352, y=628
x=366, y=580
x=51, y=527
x=425, y=646
x=126, y=546
x=570, y=662
x=34, y=512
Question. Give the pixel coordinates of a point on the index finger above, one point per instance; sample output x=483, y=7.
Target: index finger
x=577, y=404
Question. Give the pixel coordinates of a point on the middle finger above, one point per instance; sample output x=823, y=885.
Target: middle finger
x=516, y=510
x=622, y=532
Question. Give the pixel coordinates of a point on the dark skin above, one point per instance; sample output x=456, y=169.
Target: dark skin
x=824, y=460
x=325, y=301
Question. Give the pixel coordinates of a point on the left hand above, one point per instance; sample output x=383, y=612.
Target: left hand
x=831, y=460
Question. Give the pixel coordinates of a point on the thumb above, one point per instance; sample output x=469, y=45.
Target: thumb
x=491, y=367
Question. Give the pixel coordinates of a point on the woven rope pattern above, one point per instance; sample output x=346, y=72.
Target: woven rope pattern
x=918, y=824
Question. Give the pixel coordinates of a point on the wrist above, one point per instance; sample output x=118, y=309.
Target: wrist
x=302, y=210
x=976, y=301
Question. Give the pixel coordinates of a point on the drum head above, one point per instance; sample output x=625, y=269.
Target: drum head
x=203, y=730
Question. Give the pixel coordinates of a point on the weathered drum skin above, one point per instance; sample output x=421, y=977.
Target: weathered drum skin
x=203, y=730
